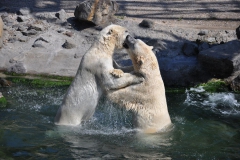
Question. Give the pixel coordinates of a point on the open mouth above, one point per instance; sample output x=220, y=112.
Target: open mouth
x=125, y=45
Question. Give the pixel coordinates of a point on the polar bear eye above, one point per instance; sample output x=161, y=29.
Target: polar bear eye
x=110, y=31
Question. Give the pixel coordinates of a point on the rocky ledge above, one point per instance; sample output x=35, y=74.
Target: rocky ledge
x=52, y=43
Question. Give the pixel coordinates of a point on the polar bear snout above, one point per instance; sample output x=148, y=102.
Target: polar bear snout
x=130, y=41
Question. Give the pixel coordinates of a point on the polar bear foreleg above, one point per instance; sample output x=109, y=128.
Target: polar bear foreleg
x=112, y=83
x=126, y=69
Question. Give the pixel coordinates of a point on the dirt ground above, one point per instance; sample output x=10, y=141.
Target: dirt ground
x=204, y=14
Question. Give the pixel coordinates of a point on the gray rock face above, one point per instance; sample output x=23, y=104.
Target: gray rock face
x=190, y=49
x=100, y=12
x=221, y=60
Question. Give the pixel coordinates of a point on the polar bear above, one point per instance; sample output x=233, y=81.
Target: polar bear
x=94, y=77
x=147, y=99
x=1, y=32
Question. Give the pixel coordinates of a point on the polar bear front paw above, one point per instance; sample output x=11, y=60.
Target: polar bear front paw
x=117, y=73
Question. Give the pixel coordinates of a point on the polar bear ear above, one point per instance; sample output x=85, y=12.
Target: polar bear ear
x=151, y=47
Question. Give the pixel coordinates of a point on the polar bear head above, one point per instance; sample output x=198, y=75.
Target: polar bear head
x=114, y=36
x=143, y=59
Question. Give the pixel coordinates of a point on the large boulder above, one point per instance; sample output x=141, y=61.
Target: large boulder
x=100, y=12
x=1, y=32
x=222, y=60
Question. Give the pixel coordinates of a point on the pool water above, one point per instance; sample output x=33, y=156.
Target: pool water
x=205, y=126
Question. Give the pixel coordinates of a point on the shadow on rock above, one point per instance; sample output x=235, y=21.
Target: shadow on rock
x=80, y=25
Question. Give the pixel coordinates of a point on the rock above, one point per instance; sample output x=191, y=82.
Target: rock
x=29, y=32
x=190, y=49
x=40, y=42
x=211, y=40
x=182, y=71
x=98, y=12
x=21, y=28
x=24, y=11
x=234, y=81
x=68, y=45
x=203, y=46
x=62, y=15
x=37, y=27
x=146, y=24
x=221, y=60
x=49, y=17
x=12, y=39
x=69, y=34
x=1, y=32
x=22, y=18
x=5, y=83
x=238, y=32
x=203, y=32
x=23, y=39
x=221, y=37
x=17, y=67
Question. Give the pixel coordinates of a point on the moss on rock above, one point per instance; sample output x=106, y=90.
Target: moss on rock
x=3, y=102
x=40, y=82
x=215, y=85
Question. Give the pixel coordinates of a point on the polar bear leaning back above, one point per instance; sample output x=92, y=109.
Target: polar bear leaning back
x=146, y=99
x=94, y=77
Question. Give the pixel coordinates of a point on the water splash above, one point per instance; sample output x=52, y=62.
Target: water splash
x=220, y=103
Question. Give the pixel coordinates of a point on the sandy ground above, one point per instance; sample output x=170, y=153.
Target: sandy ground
x=207, y=14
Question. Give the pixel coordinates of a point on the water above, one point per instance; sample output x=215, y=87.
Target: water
x=205, y=126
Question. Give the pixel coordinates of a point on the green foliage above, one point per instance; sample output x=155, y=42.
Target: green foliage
x=3, y=102
x=215, y=85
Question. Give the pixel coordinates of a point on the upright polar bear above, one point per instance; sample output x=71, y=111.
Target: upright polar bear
x=94, y=77
x=146, y=99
